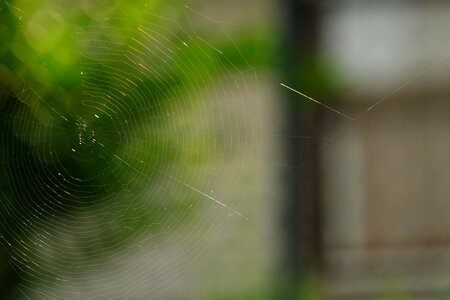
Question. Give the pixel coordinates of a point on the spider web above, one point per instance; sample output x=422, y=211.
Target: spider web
x=123, y=164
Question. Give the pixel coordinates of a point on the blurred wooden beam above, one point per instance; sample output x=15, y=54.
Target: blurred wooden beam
x=301, y=254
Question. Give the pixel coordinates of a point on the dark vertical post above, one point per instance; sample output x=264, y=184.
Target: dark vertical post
x=301, y=214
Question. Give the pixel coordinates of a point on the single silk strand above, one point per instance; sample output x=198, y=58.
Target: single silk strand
x=316, y=101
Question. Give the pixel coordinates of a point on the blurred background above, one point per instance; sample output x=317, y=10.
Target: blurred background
x=259, y=149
